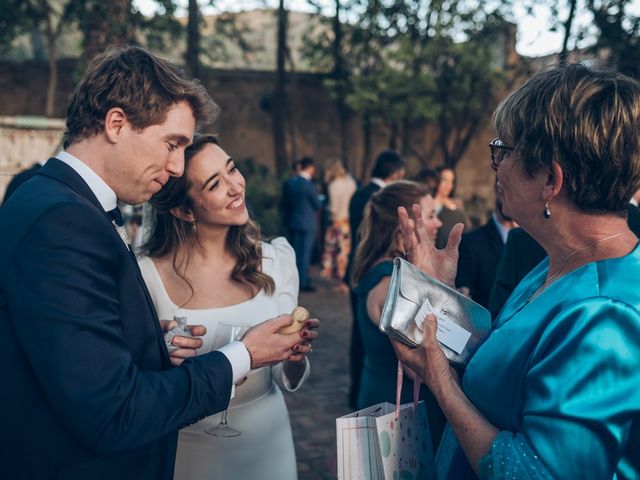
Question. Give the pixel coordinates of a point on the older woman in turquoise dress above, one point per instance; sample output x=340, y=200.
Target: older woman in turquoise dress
x=554, y=390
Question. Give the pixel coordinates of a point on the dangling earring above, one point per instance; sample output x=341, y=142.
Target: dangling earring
x=546, y=212
x=194, y=227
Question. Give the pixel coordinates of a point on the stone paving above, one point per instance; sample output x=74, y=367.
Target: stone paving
x=314, y=409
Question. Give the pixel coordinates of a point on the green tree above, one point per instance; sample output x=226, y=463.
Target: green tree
x=614, y=31
x=48, y=17
x=417, y=64
x=279, y=100
x=619, y=34
x=193, y=38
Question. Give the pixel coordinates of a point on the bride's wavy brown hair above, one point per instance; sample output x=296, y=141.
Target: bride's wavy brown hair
x=171, y=234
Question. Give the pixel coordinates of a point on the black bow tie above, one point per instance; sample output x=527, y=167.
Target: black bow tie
x=116, y=216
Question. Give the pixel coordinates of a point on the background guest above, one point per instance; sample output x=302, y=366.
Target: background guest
x=522, y=253
x=389, y=167
x=429, y=177
x=300, y=203
x=20, y=178
x=480, y=252
x=372, y=267
x=337, y=244
x=449, y=209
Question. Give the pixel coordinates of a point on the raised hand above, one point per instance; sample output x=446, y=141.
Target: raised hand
x=420, y=249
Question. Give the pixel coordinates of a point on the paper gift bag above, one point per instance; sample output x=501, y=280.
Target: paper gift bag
x=375, y=445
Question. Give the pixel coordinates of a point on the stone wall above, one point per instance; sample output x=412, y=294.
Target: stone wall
x=25, y=141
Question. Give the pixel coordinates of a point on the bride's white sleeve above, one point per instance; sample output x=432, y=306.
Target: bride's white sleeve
x=285, y=276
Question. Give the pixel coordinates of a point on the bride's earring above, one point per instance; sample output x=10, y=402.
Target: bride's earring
x=546, y=212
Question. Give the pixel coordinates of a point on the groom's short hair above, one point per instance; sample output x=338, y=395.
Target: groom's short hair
x=143, y=85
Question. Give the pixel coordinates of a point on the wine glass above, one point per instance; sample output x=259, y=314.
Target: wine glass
x=225, y=333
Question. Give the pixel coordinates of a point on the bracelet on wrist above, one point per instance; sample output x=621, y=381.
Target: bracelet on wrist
x=250, y=355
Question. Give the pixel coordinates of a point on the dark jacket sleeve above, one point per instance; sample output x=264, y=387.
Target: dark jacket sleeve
x=64, y=294
x=467, y=267
x=312, y=195
x=506, y=278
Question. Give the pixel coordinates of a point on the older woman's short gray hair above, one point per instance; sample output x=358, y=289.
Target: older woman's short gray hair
x=586, y=120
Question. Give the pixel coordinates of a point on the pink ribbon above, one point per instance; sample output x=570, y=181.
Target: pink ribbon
x=416, y=389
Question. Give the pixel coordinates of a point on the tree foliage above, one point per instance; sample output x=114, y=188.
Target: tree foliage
x=619, y=34
x=413, y=63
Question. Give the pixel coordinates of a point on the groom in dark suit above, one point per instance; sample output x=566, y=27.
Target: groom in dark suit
x=88, y=389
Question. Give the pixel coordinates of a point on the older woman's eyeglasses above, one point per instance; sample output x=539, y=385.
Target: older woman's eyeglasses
x=498, y=149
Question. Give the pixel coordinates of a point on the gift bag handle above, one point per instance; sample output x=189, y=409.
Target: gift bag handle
x=416, y=389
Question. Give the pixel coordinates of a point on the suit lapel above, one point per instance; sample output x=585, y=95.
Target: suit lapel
x=159, y=334
x=62, y=172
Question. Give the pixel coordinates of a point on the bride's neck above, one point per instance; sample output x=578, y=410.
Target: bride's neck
x=209, y=247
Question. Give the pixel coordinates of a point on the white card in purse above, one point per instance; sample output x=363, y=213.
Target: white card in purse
x=449, y=333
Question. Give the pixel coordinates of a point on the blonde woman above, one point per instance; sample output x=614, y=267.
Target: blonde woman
x=337, y=244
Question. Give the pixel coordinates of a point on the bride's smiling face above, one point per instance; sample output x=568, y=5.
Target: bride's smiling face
x=217, y=188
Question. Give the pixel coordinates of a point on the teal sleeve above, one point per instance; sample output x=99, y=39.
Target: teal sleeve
x=582, y=397
x=511, y=457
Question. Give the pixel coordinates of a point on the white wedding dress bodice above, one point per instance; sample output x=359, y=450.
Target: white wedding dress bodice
x=264, y=450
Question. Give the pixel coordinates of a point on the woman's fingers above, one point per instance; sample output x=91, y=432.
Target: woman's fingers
x=409, y=239
x=455, y=235
x=429, y=329
x=421, y=230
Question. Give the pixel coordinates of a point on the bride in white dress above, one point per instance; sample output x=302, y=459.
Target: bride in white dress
x=205, y=261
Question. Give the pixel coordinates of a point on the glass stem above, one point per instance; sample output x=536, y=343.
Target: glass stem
x=223, y=418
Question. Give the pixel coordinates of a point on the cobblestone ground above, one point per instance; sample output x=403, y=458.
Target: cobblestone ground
x=314, y=409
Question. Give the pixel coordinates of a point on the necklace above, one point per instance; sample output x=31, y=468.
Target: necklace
x=564, y=264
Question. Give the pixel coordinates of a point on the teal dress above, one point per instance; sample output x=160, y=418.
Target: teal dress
x=559, y=376
x=378, y=379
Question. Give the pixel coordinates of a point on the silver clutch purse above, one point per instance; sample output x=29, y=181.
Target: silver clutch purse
x=462, y=323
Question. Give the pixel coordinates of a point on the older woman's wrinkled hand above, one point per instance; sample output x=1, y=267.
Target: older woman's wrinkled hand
x=428, y=360
x=420, y=248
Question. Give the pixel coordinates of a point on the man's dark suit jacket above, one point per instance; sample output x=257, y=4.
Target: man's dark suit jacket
x=480, y=252
x=356, y=207
x=19, y=179
x=300, y=202
x=356, y=213
x=522, y=253
x=88, y=391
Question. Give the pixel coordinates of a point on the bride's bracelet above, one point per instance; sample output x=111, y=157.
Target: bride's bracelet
x=250, y=355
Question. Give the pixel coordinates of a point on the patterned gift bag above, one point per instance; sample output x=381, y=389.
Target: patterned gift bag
x=374, y=444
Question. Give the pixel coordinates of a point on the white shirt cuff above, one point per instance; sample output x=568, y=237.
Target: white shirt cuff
x=238, y=356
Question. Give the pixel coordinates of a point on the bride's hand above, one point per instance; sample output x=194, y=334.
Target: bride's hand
x=420, y=249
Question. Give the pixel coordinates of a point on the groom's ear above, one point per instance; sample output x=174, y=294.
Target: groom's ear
x=179, y=213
